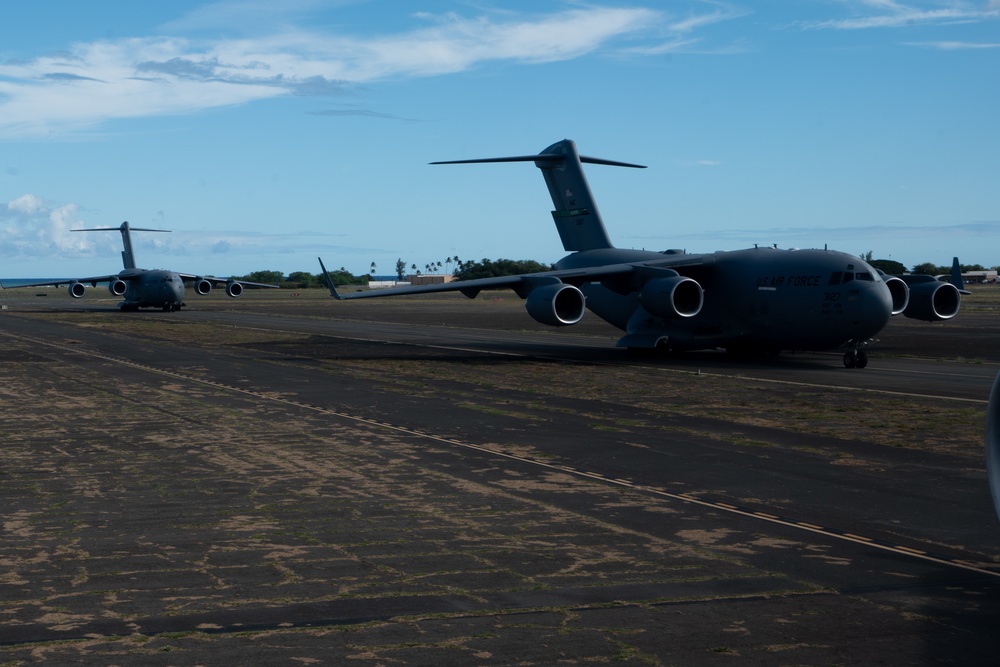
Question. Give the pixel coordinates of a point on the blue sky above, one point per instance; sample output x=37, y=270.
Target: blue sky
x=264, y=134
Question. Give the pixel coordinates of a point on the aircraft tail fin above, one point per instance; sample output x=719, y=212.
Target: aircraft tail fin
x=128, y=257
x=576, y=216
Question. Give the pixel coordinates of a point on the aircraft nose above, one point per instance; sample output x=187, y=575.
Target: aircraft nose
x=876, y=307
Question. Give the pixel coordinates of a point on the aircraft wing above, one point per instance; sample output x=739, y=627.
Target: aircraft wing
x=56, y=282
x=190, y=277
x=918, y=279
x=523, y=283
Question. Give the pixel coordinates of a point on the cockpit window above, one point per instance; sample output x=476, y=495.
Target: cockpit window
x=864, y=275
x=835, y=277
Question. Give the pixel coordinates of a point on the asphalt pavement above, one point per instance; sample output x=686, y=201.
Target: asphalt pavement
x=288, y=485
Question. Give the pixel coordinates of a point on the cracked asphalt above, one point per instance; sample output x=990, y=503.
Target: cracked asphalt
x=199, y=491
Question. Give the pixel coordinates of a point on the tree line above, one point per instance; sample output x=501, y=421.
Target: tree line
x=470, y=270
x=893, y=267
x=487, y=268
x=302, y=279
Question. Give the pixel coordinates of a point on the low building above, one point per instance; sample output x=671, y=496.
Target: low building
x=430, y=279
x=979, y=277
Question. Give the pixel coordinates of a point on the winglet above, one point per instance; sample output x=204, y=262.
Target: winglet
x=329, y=281
x=956, y=277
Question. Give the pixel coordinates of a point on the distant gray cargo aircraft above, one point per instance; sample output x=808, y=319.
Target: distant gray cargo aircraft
x=144, y=288
x=758, y=300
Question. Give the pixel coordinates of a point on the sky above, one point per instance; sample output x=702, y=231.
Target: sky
x=265, y=134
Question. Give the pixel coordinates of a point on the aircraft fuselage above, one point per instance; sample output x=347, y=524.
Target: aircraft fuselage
x=154, y=288
x=756, y=299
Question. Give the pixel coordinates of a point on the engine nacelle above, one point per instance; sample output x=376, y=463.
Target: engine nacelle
x=117, y=287
x=557, y=305
x=234, y=289
x=900, y=294
x=993, y=444
x=672, y=297
x=202, y=286
x=933, y=301
x=77, y=290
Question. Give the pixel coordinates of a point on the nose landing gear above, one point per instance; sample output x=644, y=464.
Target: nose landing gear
x=855, y=358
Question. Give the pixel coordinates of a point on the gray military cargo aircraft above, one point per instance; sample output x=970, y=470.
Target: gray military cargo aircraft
x=144, y=288
x=758, y=300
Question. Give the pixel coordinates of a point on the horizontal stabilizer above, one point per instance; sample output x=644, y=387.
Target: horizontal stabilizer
x=544, y=157
x=118, y=229
x=576, y=216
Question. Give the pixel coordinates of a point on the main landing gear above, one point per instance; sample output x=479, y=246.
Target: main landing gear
x=855, y=358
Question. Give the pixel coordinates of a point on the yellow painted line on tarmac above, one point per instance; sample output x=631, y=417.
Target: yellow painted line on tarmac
x=860, y=538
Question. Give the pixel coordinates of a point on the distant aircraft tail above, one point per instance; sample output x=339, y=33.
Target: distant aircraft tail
x=576, y=216
x=128, y=257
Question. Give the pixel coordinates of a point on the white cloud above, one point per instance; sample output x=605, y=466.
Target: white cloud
x=954, y=46
x=34, y=228
x=678, y=30
x=890, y=14
x=151, y=76
x=244, y=14
x=722, y=12
x=27, y=204
x=815, y=235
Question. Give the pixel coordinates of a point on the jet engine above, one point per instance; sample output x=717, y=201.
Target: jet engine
x=933, y=301
x=672, y=297
x=900, y=294
x=557, y=305
x=77, y=290
x=202, y=286
x=993, y=444
x=234, y=289
x=117, y=287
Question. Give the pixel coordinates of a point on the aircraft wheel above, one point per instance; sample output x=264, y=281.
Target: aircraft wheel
x=850, y=359
x=862, y=360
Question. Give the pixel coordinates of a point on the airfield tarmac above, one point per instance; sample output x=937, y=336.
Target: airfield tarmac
x=288, y=479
